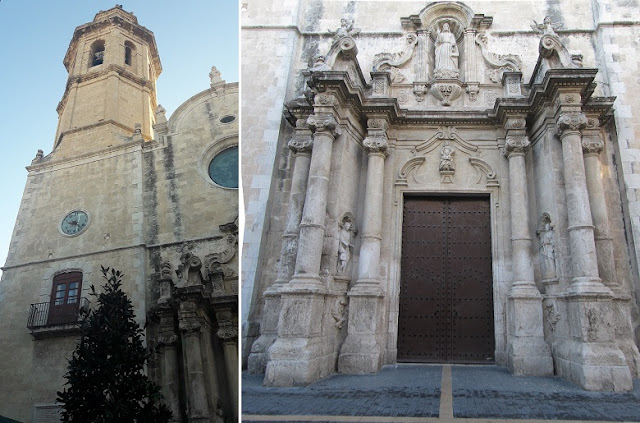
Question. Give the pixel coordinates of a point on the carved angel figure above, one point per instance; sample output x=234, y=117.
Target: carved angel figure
x=446, y=63
x=546, y=27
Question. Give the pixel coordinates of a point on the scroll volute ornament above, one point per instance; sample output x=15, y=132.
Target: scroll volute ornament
x=323, y=123
x=301, y=141
x=376, y=140
x=591, y=139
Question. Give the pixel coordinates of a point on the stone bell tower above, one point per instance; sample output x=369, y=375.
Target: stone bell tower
x=113, y=65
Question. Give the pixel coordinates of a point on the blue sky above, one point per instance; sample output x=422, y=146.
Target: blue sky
x=191, y=36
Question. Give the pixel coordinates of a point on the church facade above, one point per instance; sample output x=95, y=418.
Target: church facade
x=127, y=188
x=452, y=182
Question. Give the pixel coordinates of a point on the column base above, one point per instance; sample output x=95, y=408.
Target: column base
x=257, y=361
x=528, y=354
x=588, y=286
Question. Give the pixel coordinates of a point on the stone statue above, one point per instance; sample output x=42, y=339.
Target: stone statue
x=345, y=30
x=446, y=59
x=345, y=247
x=546, y=27
x=547, y=249
x=446, y=158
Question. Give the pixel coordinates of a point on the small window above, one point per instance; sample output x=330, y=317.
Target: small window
x=97, y=53
x=223, y=168
x=227, y=119
x=65, y=298
x=128, y=53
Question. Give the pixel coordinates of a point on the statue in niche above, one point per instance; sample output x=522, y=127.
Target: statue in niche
x=547, y=248
x=345, y=247
x=446, y=158
x=446, y=59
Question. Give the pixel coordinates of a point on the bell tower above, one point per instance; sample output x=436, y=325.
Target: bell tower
x=113, y=66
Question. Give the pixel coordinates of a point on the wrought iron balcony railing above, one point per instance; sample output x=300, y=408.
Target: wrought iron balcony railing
x=45, y=315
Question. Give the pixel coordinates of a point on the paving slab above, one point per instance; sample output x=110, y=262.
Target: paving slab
x=492, y=392
x=402, y=390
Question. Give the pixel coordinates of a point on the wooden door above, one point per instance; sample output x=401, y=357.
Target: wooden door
x=446, y=286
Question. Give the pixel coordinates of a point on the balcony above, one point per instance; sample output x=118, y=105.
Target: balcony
x=47, y=321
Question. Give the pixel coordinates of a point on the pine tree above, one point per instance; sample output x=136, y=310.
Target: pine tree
x=105, y=382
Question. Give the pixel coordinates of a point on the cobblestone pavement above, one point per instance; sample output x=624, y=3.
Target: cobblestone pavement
x=412, y=393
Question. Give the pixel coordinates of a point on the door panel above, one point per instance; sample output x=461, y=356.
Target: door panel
x=446, y=301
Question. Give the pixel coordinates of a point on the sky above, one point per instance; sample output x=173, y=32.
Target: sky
x=191, y=36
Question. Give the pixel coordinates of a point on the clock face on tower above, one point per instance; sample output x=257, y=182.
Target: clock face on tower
x=74, y=223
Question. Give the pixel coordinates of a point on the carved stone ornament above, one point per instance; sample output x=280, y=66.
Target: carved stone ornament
x=446, y=54
x=165, y=340
x=190, y=326
x=390, y=62
x=571, y=122
x=547, y=248
x=420, y=90
x=447, y=167
x=515, y=124
x=375, y=144
x=321, y=122
x=376, y=140
x=189, y=270
x=227, y=334
x=38, y=158
x=215, y=76
x=166, y=272
x=338, y=312
x=319, y=64
x=553, y=317
x=346, y=29
x=592, y=145
x=516, y=144
x=446, y=92
x=552, y=49
x=498, y=62
x=345, y=247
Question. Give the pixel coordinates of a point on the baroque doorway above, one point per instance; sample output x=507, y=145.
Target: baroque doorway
x=446, y=284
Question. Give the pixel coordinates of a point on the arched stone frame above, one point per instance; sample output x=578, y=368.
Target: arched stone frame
x=500, y=282
x=131, y=55
x=96, y=45
x=210, y=152
x=64, y=266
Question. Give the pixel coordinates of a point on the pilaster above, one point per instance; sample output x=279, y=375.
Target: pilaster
x=527, y=351
x=362, y=351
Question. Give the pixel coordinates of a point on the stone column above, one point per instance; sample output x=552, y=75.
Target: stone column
x=196, y=390
x=229, y=336
x=592, y=359
x=362, y=351
x=299, y=355
x=168, y=348
x=300, y=144
x=592, y=146
x=527, y=352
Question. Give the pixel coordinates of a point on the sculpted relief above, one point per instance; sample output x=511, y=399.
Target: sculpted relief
x=446, y=55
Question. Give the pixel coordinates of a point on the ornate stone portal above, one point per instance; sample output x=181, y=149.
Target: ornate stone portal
x=444, y=116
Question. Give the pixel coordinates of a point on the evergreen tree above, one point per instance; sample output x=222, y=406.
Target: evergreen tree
x=105, y=382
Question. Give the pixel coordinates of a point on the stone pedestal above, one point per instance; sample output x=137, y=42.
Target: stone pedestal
x=362, y=351
x=527, y=352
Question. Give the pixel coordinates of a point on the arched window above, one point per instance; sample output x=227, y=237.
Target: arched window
x=97, y=53
x=129, y=50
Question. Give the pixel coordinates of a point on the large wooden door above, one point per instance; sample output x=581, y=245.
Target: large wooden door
x=446, y=301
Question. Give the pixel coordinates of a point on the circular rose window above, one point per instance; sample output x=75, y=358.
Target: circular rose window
x=223, y=169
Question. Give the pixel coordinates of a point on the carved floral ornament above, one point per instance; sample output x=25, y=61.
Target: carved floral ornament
x=571, y=122
x=323, y=122
x=516, y=144
x=301, y=141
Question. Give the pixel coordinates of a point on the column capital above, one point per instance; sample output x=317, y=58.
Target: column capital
x=592, y=145
x=516, y=145
x=571, y=122
x=190, y=326
x=376, y=140
x=227, y=334
x=324, y=123
x=515, y=123
x=301, y=141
